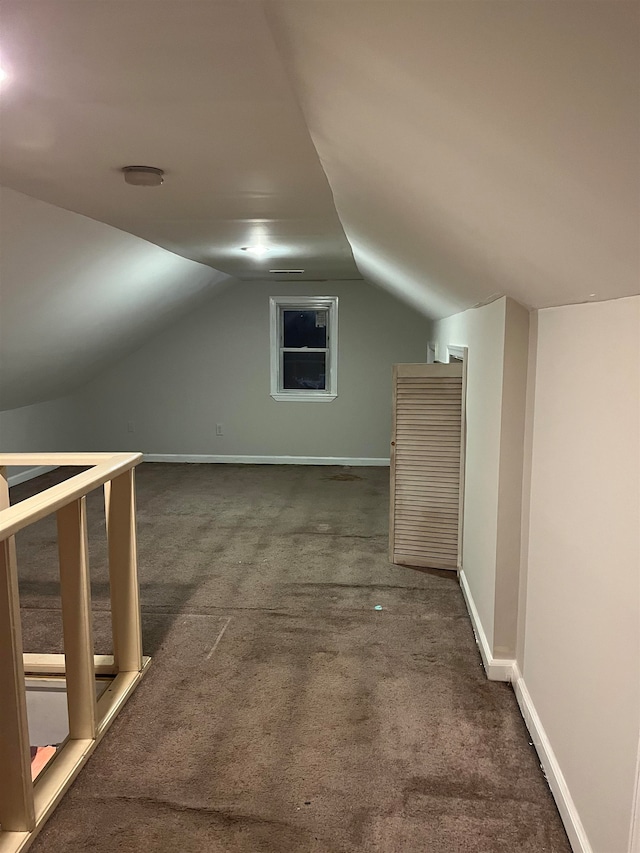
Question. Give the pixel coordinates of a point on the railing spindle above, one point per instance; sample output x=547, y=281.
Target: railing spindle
x=16, y=789
x=123, y=572
x=4, y=488
x=77, y=626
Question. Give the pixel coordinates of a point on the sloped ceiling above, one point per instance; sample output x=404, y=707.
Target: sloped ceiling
x=447, y=151
x=195, y=88
x=476, y=147
x=77, y=295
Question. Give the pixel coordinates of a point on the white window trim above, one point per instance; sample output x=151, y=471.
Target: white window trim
x=328, y=303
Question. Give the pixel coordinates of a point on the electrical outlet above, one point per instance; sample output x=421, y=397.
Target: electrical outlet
x=131, y=426
x=218, y=429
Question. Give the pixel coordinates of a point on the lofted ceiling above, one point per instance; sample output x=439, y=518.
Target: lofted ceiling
x=195, y=88
x=447, y=150
x=77, y=295
x=477, y=147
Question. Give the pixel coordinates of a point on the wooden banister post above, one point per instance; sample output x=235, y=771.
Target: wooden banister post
x=77, y=627
x=16, y=789
x=123, y=572
x=4, y=488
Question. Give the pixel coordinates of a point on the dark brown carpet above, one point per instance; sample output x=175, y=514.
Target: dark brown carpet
x=316, y=724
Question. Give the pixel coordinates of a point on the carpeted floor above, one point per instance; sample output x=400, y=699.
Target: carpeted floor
x=282, y=712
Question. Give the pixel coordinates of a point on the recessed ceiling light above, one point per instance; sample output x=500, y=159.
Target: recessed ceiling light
x=4, y=75
x=143, y=176
x=256, y=250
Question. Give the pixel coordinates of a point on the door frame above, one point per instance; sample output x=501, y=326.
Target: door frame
x=463, y=354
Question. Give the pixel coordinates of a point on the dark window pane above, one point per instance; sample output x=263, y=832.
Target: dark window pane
x=304, y=371
x=305, y=328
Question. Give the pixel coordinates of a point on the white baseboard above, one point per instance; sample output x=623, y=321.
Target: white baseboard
x=559, y=788
x=634, y=841
x=266, y=460
x=29, y=474
x=505, y=669
x=497, y=669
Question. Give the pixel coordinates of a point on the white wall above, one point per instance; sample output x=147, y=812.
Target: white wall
x=512, y=435
x=552, y=504
x=481, y=330
x=213, y=367
x=581, y=655
x=496, y=336
x=58, y=425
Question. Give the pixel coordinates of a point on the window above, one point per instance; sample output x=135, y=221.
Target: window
x=304, y=348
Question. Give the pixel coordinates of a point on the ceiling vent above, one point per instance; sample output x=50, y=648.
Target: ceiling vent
x=143, y=176
x=286, y=272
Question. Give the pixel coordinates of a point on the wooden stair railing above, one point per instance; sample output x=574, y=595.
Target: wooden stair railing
x=25, y=805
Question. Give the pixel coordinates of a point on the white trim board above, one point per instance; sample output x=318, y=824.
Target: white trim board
x=634, y=840
x=29, y=474
x=497, y=669
x=266, y=460
x=503, y=669
x=555, y=778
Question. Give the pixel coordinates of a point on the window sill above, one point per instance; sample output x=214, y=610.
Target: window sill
x=304, y=398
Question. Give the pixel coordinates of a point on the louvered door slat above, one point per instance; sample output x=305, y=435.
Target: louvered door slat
x=420, y=530
x=427, y=453
x=425, y=485
x=429, y=465
x=429, y=515
x=445, y=511
x=416, y=460
x=426, y=464
x=426, y=488
x=418, y=521
x=441, y=384
x=417, y=548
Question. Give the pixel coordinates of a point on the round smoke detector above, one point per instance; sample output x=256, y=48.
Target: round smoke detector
x=143, y=176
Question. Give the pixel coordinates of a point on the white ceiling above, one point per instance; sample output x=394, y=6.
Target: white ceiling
x=467, y=147
x=195, y=88
x=476, y=148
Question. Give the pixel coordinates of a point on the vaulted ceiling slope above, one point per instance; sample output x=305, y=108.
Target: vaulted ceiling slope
x=197, y=89
x=476, y=147
x=465, y=149
x=76, y=295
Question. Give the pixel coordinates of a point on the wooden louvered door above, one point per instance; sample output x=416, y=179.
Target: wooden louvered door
x=426, y=465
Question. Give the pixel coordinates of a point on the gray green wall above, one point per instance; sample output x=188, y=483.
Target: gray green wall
x=213, y=367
